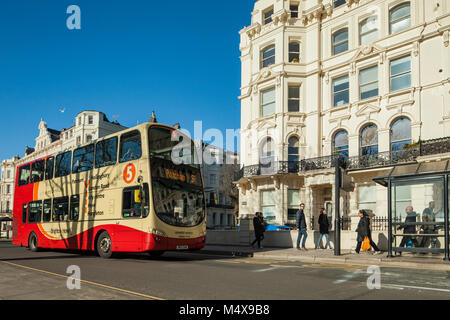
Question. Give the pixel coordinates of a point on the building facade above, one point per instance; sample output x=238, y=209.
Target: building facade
x=219, y=169
x=7, y=168
x=364, y=80
x=89, y=126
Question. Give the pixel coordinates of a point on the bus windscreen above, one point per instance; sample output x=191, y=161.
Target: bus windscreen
x=177, y=188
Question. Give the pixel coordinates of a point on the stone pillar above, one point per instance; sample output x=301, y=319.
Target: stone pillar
x=245, y=230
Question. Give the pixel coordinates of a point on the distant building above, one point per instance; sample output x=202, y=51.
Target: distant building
x=219, y=168
x=7, y=168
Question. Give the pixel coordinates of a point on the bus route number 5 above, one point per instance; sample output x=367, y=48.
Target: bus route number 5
x=129, y=173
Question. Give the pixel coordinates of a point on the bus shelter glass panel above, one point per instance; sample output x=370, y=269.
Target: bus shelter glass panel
x=418, y=215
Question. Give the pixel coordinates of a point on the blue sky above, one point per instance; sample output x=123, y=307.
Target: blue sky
x=180, y=58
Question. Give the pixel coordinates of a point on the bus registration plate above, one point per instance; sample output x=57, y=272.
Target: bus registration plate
x=183, y=247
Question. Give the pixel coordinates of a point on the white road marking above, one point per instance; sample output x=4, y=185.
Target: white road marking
x=268, y=269
x=401, y=287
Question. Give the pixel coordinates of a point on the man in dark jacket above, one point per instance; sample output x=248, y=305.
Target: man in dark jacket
x=301, y=226
x=409, y=227
x=363, y=231
x=258, y=225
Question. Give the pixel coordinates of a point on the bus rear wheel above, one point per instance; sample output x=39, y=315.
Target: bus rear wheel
x=104, y=245
x=33, y=242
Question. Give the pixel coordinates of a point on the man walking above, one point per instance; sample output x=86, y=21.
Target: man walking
x=301, y=226
x=258, y=225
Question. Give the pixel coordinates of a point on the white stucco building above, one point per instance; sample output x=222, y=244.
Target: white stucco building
x=365, y=79
x=7, y=168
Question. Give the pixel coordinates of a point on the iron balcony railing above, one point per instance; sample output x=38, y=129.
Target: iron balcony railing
x=381, y=159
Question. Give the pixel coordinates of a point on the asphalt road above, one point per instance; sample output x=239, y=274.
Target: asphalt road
x=194, y=276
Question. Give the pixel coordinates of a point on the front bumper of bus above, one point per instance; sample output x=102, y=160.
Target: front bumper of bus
x=159, y=243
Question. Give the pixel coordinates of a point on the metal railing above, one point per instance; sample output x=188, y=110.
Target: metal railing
x=382, y=159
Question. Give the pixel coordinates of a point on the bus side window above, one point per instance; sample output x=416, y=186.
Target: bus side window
x=49, y=168
x=37, y=171
x=74, y=208
x=130, y=146
x=63, y=164
x=60, y=209
x=106, y=153
x=24, y=175
x=47, y=210
x=24, y=213
x=34, y=212
x=130, y=207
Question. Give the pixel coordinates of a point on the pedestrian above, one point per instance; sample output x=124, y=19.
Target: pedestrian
x=409, y=227
x=258, y=225
x=429, y=216
x=301, y=227
x=324, y=227
x=363, y=231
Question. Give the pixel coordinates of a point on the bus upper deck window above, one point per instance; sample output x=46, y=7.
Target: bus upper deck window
x=49, y=168
x=83, y=159
x=130, y=146
x=63, y=164
x=106, y=153
x=37, y=171
x=24, y=175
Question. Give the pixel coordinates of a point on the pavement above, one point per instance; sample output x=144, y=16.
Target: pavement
x=407, y=260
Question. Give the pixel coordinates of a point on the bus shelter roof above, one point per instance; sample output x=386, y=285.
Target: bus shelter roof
x=415, y=170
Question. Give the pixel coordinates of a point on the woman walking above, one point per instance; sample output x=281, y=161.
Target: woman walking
x=324, y=227
x=364, y=231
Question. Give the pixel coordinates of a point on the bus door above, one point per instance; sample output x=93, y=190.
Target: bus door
x=23, y=224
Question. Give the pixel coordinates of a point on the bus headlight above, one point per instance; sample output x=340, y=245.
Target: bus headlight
x=158, y=233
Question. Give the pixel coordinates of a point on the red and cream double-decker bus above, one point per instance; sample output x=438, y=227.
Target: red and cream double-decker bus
x=121, y=193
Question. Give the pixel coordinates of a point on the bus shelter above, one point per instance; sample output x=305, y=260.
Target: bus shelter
x=418, y=208
x=5, y=227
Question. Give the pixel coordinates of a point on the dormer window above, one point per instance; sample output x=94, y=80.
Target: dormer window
x=268, y=15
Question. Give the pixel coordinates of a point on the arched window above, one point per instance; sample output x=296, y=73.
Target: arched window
x=368, y=30
x=340, y=41
x=293, y=149
x=400, y=18
x=338, y=3
x=267, y=152
x=294, y=52
x=400, y=134
x=340, y=143
x=369, y=140
x=268, y=56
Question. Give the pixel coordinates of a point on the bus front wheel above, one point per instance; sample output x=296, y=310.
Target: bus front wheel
x=33, y=242
x=104, y=245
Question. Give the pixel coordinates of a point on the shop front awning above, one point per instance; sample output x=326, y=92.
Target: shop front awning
x=415, y=170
